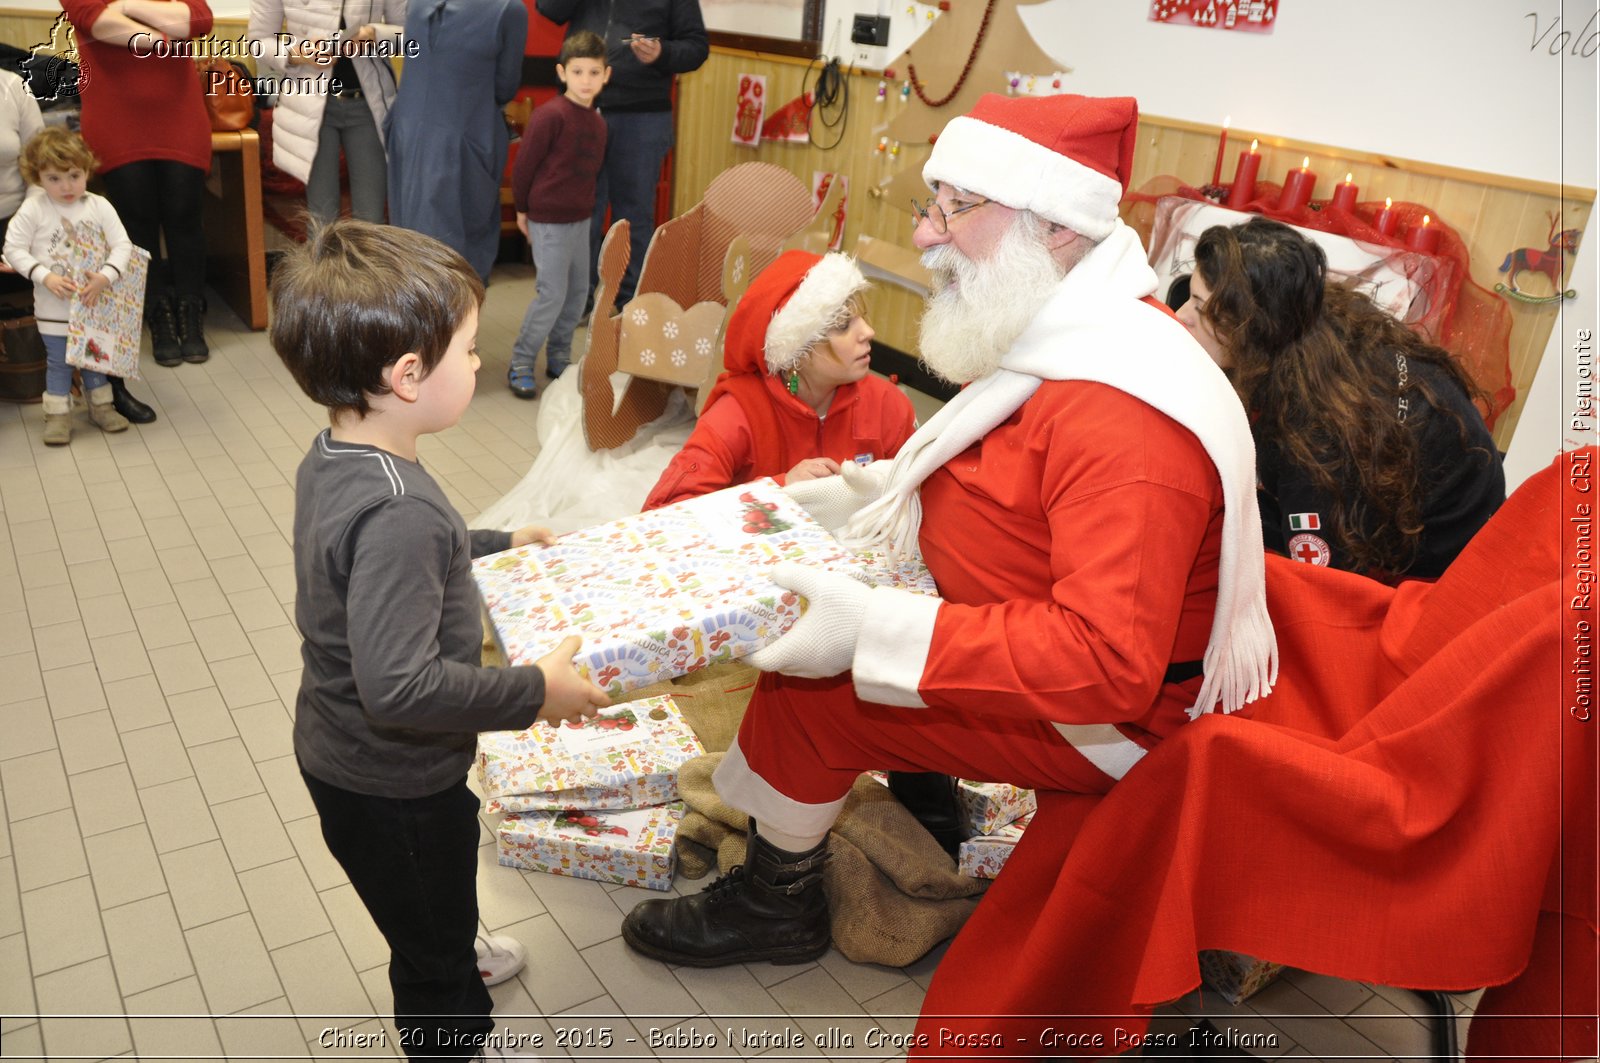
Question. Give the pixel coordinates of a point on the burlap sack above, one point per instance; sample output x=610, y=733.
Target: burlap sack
x=893, y=893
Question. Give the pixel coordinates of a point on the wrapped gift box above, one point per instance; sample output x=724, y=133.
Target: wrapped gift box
x=632, y=847
x=664, y=593
x=1236, y=976
x=984, y=855
x=991, y=805
x=627, y=756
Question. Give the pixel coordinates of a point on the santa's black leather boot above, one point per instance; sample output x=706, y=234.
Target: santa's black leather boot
x=770, y=908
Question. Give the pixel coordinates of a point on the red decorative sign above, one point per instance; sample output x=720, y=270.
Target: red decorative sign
x=1254, y=16
x=821, y=182
x=748, y=109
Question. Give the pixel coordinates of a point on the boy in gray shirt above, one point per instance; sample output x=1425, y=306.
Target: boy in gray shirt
x=378, y=324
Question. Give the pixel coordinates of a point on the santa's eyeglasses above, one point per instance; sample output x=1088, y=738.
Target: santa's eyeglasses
x=930, y=210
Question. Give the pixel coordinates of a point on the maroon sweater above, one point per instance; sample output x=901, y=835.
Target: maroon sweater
x=558, y=163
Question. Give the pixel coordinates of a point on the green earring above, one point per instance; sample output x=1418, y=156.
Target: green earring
x=793, y=383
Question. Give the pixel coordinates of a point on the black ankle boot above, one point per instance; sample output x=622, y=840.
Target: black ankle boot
x=162, y=317
x=931, y=798
x=124, y=403
x=770, y=908
x=191, y=328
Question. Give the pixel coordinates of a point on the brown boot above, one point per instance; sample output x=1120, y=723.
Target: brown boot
x=57, y=420
x=770, y=908
x=103, y=410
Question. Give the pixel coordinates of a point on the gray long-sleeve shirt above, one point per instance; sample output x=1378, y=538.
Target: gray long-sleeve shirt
x=392, y=694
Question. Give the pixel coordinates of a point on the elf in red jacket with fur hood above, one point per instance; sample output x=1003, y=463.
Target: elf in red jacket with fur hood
x=800, y=397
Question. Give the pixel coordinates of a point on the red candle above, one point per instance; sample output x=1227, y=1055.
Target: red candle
x=1386, y=219
x=1297, y=188
x=1222, y=146
x=1424, y=237
x=1244, y=178
x=1344, y=195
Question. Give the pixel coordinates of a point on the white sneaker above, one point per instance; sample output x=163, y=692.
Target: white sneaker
x=500, y=956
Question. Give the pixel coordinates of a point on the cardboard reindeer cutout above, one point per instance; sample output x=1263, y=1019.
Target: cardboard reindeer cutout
x=670, y=334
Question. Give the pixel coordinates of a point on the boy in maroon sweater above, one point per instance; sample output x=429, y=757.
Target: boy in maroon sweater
x=553, y=188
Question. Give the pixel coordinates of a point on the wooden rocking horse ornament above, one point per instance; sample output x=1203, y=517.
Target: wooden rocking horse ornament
x=1551, y=262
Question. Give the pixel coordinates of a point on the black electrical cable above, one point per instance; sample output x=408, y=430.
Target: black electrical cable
x=830, y=102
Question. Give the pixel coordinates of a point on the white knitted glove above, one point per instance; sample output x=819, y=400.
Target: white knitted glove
x=833, y=500
x=823, y=641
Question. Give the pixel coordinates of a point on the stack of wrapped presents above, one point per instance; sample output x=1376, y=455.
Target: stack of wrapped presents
x=996, y=814
x=668, y=592
x=596, y=799
x=655, y=596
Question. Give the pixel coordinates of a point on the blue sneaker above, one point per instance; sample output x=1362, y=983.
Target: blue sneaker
x=523, y=386
x=554, y=371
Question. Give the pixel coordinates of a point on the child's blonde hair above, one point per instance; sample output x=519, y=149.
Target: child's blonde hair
x=55, y=148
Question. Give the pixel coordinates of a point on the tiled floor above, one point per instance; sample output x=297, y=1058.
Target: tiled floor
x=160, y=856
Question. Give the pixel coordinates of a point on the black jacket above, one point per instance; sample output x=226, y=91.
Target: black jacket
x=633, y=85
x=1462, y=486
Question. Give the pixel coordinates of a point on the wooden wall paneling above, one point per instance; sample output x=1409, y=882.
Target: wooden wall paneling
x=1494, y=214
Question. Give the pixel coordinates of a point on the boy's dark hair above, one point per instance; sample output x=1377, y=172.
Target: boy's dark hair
x=355, y=297
x=55, y=148
x=584, y=44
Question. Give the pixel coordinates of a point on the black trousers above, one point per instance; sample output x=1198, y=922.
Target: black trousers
x=156, y=199
x=414, y=864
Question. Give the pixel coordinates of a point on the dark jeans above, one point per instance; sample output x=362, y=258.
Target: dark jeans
x=414, y=864
x=158, y=198
x=636, y=146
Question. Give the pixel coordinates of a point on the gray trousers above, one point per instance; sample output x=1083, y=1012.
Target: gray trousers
x=561, y=256
x=348, y=124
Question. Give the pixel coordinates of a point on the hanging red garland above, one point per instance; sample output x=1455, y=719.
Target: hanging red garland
x=972, y=57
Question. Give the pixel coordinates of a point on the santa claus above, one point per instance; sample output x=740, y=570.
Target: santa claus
x=1086, y=505
x=1399, y=811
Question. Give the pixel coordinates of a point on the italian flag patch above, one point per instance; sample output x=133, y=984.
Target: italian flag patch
x=1304, y=522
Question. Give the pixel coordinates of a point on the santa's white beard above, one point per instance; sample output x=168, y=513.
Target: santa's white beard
x=968, y=326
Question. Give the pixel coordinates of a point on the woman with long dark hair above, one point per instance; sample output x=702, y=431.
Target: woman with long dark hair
x=1371, y=454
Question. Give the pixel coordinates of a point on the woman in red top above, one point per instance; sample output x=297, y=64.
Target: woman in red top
x=145, y=118
x=797, y=397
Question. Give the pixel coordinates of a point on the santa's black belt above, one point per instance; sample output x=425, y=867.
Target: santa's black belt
x=1183, y=671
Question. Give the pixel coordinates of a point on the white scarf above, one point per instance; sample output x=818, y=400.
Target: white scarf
x=1096, y=328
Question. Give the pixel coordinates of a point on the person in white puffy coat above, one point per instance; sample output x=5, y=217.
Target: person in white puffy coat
x=331, y=95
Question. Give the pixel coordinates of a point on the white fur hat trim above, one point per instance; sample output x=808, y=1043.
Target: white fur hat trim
x=805, y=319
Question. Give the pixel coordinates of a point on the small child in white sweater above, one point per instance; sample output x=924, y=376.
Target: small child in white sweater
x=56, y=215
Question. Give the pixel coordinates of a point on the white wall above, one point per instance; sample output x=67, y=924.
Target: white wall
x=1446, y=81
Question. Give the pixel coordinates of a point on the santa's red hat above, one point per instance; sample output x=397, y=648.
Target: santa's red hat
x=788, y=308
x=1065, y=158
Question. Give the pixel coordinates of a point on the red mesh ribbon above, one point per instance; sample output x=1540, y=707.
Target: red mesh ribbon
x=1463, y=317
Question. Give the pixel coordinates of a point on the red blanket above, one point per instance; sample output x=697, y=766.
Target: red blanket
x=1399, y=810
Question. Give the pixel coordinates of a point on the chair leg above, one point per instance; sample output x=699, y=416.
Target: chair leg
x=1443, y=1012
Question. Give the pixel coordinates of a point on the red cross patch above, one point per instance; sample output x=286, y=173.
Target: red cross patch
x=1311, y=549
